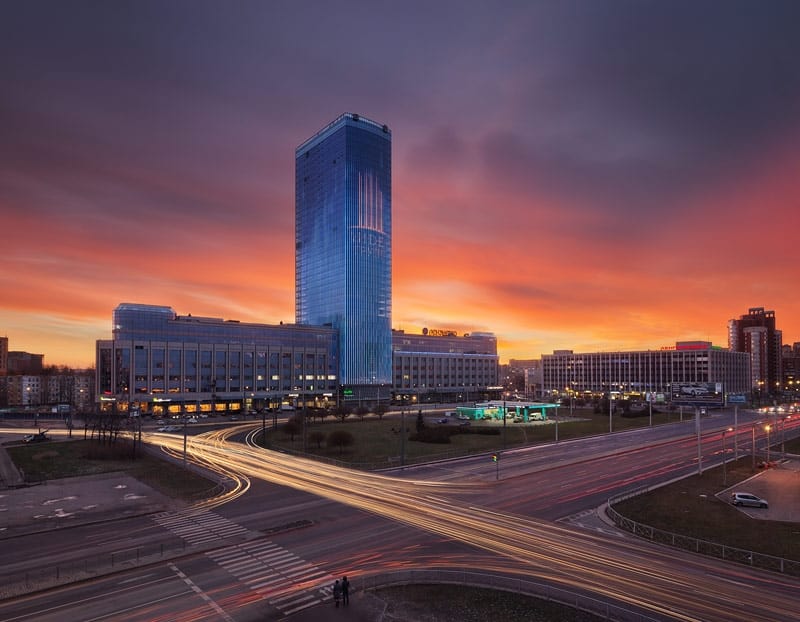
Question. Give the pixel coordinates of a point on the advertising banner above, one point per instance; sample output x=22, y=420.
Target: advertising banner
x=697, y=394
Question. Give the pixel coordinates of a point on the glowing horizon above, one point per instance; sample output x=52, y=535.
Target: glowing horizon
x=565, y=178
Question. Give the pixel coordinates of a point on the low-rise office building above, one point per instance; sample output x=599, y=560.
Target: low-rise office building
x=161, y=362
x=648, y=371
x=440, y=366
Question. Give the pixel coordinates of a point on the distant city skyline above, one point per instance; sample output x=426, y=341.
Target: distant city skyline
x=580, y=176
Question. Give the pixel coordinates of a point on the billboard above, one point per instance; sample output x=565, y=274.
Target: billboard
x=697, y=393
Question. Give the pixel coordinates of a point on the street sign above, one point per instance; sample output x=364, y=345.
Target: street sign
x=737, y=398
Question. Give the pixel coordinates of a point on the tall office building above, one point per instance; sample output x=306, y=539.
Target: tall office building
x=755, y=333
x=343, y=245
x=3, y=356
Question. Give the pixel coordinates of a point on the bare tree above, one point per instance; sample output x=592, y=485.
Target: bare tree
x=292, y=426
x=340, y=439
x=381, y=408
x=316, y=437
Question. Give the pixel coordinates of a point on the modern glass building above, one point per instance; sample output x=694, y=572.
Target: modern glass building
x=343, y=245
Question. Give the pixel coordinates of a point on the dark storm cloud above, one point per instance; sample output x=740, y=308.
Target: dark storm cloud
x=637, y=104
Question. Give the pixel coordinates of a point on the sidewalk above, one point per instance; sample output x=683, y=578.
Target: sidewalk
x=10, y=477
x=71, y=501
x=363, y=607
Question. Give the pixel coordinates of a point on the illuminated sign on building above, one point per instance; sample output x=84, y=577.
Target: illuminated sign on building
x=439, y=332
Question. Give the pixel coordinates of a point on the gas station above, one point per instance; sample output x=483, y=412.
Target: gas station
x=520, y=412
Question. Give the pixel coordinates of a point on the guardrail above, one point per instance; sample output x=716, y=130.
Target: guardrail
x=65, y=572
x=536, y=589
x=695, y=545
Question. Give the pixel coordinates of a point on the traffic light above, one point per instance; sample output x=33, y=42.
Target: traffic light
x=494, y=457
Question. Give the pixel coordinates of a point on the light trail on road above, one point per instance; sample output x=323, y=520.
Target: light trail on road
x=666, y=583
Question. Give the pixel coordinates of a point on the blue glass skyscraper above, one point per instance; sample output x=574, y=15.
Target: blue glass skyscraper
x=343, y=243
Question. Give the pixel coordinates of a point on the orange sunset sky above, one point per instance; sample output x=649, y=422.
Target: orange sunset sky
x=567, y=175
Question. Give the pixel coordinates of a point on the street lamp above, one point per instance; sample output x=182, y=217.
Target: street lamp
x=724, y=459
x=556, y=423
x=755, y=425
x=768, y=428
x=783, y=429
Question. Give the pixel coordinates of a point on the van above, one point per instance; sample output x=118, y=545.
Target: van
x=287, y=407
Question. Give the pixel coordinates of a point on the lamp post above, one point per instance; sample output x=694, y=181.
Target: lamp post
x=754, y=446
x=767, y=428
x=699, y=444
x=783, y=429
x=504, y=424
x=724, y=460
x=556, y=423
x=403, y=434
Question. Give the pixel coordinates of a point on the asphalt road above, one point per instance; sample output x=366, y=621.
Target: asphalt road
x=239, y=569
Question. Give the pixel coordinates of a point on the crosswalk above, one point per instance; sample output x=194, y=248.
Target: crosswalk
x=199, y=526
x=286, y=581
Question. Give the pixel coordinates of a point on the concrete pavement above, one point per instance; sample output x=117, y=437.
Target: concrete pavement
x=70, y=501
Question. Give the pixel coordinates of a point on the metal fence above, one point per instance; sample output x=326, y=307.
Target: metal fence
x=61, y=573
x=704, y=547
x=536, y=589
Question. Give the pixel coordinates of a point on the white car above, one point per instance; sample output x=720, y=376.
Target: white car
x=694, y=390
x=748, y=499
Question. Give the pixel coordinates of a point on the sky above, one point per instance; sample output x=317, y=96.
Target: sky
x=589, y=175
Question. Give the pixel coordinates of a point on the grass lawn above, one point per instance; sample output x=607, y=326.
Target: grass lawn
x=690, y=507
x=54, y=460
x=378, y=442
x=448, y=603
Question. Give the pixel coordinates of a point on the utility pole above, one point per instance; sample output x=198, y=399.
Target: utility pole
x=263, y=427
x=699, y=445
x=403, y=435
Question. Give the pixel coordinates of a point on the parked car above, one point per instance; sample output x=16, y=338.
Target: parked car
x=748, y=499
x=39, y=437
x=463, y=417
x=191, y=420
x=442, y=420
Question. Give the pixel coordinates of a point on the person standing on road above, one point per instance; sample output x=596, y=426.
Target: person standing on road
x=337, y=592
x=345, y=591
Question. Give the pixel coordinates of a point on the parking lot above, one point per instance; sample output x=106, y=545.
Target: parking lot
x=780, y=486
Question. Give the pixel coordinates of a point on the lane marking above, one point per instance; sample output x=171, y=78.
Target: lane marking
x=201, y=594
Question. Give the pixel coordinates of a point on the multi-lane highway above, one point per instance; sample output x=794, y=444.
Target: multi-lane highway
x=464, y=514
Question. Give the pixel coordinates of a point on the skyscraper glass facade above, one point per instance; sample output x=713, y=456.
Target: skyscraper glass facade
x=343, y=243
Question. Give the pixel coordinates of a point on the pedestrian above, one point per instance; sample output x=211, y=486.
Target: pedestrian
x=345, y=591
x=337, y=592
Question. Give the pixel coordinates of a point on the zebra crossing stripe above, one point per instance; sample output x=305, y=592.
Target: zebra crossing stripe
x=275, y=574
x=198, y=527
